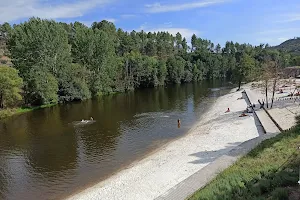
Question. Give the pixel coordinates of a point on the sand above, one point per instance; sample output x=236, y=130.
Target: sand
x=284, y=109
x=214, y=135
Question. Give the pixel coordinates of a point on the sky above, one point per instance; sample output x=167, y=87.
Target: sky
x=243, y=21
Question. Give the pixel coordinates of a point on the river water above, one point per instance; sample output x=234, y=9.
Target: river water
x=50, y=154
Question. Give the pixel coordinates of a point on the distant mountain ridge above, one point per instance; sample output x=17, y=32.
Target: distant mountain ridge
x=291, y=46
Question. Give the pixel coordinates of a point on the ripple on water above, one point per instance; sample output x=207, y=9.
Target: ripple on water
x=48, y=153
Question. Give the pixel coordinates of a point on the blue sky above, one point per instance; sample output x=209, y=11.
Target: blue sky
x=250, y=21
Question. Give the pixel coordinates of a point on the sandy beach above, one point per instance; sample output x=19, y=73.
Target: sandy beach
x=285, y=108
x=215, y=134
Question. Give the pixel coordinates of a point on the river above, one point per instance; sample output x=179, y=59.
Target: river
x=50, y=154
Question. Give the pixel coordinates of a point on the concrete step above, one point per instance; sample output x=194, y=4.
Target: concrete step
x=268, y=124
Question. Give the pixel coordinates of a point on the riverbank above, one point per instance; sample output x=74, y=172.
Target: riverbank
x=214, y=135
x=17, y=111
x=270, y=171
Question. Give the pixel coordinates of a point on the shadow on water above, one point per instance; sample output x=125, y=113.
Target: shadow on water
x=43, y=155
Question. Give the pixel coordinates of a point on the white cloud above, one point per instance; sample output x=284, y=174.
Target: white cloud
x=185, y=32
x=271, y=40
x=275, y=39
x=282, y=39
x=290, y=18
x=128, y=16
x=19, y=9
x=112, y=20
x=279, y=31
x=158, y=8
x=168, y=27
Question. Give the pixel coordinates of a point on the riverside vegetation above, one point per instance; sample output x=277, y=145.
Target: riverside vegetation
x=55, y=62
x=270, y=171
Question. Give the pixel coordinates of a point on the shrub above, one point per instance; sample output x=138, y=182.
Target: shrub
x=7, y=113
x=280, y=194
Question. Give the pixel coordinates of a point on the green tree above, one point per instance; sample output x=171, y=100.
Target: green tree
x=175, y=66
x=162, y=72
x=241, y=70
x=193, y=42
x=38, y=42
x=73, y=83
x=69, y=62
x=10, y=86
x=41, y=87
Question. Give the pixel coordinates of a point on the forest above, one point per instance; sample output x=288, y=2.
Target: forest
x=55, y=62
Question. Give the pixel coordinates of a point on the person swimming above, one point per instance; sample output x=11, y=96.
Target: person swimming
x=179, y=123
x=92, y=119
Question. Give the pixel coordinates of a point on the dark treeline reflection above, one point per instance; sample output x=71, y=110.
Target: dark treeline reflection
x=47, y=154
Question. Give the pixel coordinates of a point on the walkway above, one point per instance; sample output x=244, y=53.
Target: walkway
x=198, y=180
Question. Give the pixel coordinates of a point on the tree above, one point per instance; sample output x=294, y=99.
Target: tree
x=73, y=83
x=10, y=86
x=175, y=66
x=162, y=72
x=69, y=62
x=178, y=41
x=41, y=87
x=193, y=42
x=218, y=49
x=266, y=77
x=39, y=43
x=274, y=72
x=245, y=62
x=184, y=45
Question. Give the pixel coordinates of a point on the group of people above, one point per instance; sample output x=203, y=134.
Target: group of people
x=249, y=109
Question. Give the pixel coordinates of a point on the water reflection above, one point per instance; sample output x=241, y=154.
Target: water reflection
x=43, y=155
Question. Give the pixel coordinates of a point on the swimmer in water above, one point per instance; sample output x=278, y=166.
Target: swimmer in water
x=179, y=123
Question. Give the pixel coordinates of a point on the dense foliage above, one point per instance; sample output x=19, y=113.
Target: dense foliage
x=66, y=62
x=10, y=86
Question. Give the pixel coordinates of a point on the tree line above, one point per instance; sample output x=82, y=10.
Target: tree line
x=60, y=62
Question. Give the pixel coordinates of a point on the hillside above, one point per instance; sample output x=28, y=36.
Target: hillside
x=291, y=46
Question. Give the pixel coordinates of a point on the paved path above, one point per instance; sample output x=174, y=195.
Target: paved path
x=198, y=180
x=268, y=124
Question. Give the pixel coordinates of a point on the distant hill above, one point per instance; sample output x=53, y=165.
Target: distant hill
x=291, y=46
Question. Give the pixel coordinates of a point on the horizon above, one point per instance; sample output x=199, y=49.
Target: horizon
x=269, y=22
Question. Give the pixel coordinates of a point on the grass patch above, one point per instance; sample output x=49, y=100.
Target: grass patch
x=28, y=109
x=14, y=111
x=264, y=173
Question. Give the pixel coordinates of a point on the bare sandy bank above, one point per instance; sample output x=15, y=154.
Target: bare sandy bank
x=285, y=108
x=213, y=136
